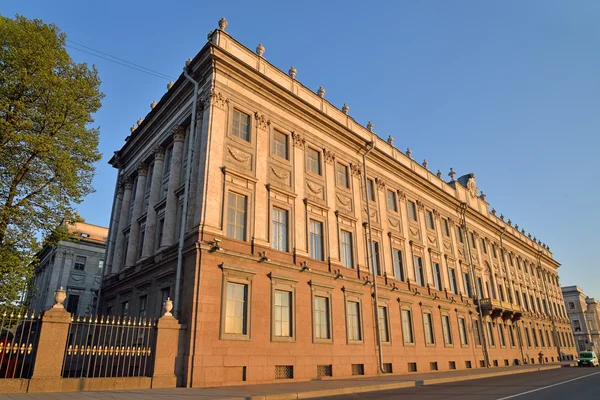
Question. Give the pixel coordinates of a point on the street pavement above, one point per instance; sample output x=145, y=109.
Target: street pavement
x=563, y=383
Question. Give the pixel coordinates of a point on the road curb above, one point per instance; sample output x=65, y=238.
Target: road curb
x=386, y=386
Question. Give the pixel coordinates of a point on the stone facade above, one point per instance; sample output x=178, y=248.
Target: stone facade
x=584, y=313
x=275, y=280
x=76, y=265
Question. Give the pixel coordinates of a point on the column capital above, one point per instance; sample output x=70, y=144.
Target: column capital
x=159, y=153
x=128, y=185
x=178, y=133
x=142, y=169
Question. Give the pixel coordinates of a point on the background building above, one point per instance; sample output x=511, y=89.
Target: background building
x=76, y=265
x=253, y=203
x=584, y=313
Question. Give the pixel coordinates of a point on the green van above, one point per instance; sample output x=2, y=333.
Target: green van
x=587, y=359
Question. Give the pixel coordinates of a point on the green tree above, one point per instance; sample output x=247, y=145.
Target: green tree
x=47, y=149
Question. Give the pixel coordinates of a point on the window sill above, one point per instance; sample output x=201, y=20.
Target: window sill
x=322, y=341
x=410, y=344
x=283, y=339
x=234, y=337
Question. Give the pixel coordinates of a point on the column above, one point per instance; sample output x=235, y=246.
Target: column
x=168, y=237
x=134, y=231
x=114, y=227
x=120, y=238
x=157, y=171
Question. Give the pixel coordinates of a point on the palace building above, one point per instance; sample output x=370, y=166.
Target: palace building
x=296, y=243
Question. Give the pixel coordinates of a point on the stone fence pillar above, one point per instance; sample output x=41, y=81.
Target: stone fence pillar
x=167, y=344
x=50, y=354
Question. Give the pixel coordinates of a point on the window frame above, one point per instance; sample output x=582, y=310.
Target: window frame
x=429, y=220
x=282, y=283
x=431, y=327
x=343, y=245
x=287, y=227
x=392, y=203
x=75, y=263
x=462, y=330
x=408, y=309
x=411, y=210
x=323, y=238
x=354, y=297
x=242, y=276
x=308, y=161
x=321, y=290
x=383, y=305
x=274, y=147
x=398, y=260
x=240, y=110
x=445, y=317
x=246, y=214
x=339, y=165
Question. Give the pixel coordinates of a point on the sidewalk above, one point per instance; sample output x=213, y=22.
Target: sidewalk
x=294, y=390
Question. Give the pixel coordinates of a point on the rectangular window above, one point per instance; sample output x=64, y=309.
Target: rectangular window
x=428, y=327
x=527, y=337
x=384, y=333
x=462, y=331
x=159, y=233
x=477, y=332
x=341, y=175
x=313, y=161
x=412, y=210
x=321, y=317
x=80, y=263
x=490, y=334
x=459, y=234
x=501, y=335
x=453, y=282
x=446, y=329
x=316, y=240
x=280, y=145
x=429, y=219
x=494, y=253
x=391, y=201
x=346, y=249
x=236, y=216
x=473, y=241
x=398, y=268
x=511, y=335
x=370, y=189
x=542, y=338
x=445, y=227
x=407, y=331
x=467, y=284
x=437, y=276
x=353, y=318
x=73, y=304
x=419, y=276
x=375, y=258
x=164, y=295
x=283, y=313
x=143, y=303
x=241, y=125
x=125, y=308
x=280, y=229
x=483, y=246
x=236, y=308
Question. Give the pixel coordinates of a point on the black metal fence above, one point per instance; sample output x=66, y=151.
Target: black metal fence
x=19, y=330
x=108, y=346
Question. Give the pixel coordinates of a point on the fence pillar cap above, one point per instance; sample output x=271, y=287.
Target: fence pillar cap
x=168, y=322
x=59, y=315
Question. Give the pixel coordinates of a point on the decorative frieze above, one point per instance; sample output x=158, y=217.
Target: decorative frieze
x=298, y=140
x=262, y=122
x=355, y=169
x=329, y=156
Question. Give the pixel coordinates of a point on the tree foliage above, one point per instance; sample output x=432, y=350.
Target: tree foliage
x=47, y=149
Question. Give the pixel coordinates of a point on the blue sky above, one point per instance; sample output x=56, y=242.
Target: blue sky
x=509, y=90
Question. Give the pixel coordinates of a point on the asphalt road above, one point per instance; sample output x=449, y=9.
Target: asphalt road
x=562, y=383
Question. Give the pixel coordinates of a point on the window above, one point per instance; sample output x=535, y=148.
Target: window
x=490, y=334
x=407, y=330
x=236, y=216
x=494, y=253
x=391, y=201
x=353, y=318
x=535, y=339
x=164, y=295
x=283, y=314
x=467, y=284
x=479, y=288
x=370, y=189
x=429, y=220
x=462, y=332
x=527, y=337
x=321, y=317
x=453, y=283
x=445, y=227
x=384, y=334
x=437, y=276
x=280, y=229
x=143, y=303
x=511, y=335
x=542, y=338
x=428, y=328
x=80, y=263
x=459, y=234
x=419, y=276
x=159, y=233
x=280, y=145
x=446, y=330
x=412, y=210
x=375, y=258
x=73, y=303
x=398, y=268
x=100, y=264
x=483, y=246
x=571, y=305
x=316, y=240
x=501, y=292
x=124, y=308
x=346, y=249
x=341, y=175
x=473, y=241
x=241, y=125
x=477, y=332
x=576, y=325
x=236, y=313
x=501, y=335
x=313, y=161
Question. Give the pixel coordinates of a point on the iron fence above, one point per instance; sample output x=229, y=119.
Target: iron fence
x=108, y=346
x=19, y=329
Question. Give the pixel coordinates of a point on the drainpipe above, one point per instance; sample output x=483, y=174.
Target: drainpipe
x=186, y=191
x=370, y=146
x=511, y=288
x=552, y=317
x=113, y=224
x=473, y=285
